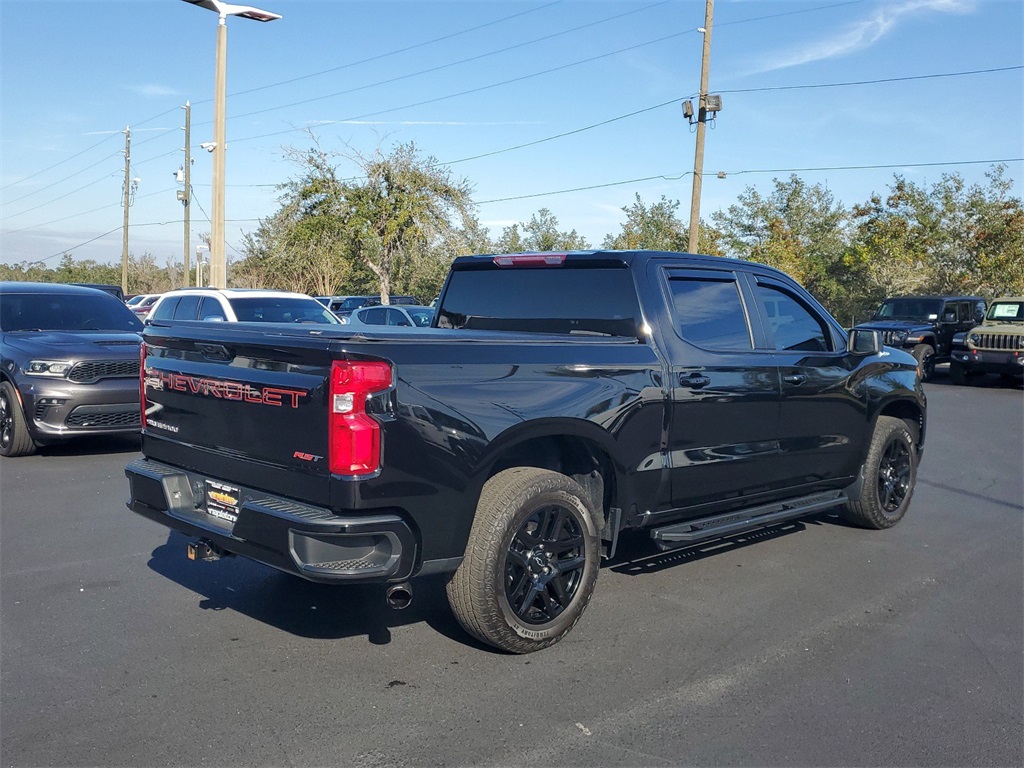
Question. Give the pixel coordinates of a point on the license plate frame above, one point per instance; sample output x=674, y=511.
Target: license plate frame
x=223, y=501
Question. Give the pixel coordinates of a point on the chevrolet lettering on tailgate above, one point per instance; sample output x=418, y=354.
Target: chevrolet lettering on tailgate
x=223, y=389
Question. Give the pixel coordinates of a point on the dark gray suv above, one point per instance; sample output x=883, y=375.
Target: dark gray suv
x=69, y=365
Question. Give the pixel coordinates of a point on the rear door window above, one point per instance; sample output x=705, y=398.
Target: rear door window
x=708, y=310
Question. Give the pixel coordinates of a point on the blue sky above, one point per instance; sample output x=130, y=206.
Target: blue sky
x=482, y=77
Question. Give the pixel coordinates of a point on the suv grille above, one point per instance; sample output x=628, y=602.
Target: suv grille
x=128, y=418
x=1008, y=341
x=891, y=339
x=87, y=373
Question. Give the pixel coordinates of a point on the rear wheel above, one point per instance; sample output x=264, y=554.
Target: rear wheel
x=14, y=437
x=531, y=562
x=925, y=356
x=890, y=473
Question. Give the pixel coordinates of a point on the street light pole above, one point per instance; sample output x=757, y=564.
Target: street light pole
x=199, y=264
x=218, y=261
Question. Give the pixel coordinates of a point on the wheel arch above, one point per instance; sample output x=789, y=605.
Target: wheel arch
x=574, y=447
x=907, y=410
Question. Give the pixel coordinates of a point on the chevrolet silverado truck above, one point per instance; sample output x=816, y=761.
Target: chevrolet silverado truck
x=559, y=402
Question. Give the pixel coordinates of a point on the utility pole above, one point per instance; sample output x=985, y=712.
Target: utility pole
x=187, y=198
x=698, y=159
x=126, y=202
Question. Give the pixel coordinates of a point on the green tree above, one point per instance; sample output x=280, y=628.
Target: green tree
x=540, y=234
x=658, y=228
x=800, y=230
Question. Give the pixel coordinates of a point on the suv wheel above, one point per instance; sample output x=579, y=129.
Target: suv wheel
x=14, y=437
x=925, y=356
x=958, y=373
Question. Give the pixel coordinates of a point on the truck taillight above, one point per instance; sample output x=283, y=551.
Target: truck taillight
x=354, y=435
x=142, y=384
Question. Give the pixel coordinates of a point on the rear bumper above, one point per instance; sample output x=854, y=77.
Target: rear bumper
x=307, y=541
x=985, y=361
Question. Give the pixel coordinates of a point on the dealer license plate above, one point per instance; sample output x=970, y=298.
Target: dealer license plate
x=222, y=501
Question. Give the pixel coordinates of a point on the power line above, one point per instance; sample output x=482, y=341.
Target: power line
x=480, y=88
x=874, y=167
x=83, y=213
x=872, y=82
x=583, y=189
x=677, y=177
x=450, y=64
x=394, y=52
x=55, y=165
x=375, y=58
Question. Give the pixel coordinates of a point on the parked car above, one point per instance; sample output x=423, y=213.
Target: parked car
x=241, y=305
x=69, y=365
x=113, y=290
x=995, y=346
x=394, y=317
x=925, y=325
x=343, y=306
x=143, y=305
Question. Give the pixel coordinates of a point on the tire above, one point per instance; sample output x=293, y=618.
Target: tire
x=958, y=374
x=890, y=472
x=925, y=356
x=14, y=437
x=531, y=562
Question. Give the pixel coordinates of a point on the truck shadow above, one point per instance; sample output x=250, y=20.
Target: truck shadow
x=93, y=445
x=303, y=608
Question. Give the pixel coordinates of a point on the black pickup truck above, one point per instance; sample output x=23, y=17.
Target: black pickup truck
x=560, y=401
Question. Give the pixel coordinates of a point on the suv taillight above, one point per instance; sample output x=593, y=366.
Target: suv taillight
x=354, y=435
x=142, y=384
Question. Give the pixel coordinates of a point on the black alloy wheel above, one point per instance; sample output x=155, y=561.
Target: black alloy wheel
x=894, y=472
x=6, y=422
x=544, y=564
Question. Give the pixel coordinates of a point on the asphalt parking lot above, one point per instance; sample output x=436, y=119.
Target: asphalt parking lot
x=810, y=643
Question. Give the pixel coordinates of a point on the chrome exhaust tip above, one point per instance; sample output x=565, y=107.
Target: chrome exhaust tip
x=399, y=596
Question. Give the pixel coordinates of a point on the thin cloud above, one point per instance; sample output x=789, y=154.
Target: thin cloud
x=134, y=130
x=862, y=34
x=151, y=89
x=425, y=122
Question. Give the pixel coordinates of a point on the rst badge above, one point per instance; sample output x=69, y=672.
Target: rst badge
x=310, y=457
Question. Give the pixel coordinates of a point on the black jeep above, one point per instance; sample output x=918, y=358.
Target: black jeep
x=925, y=325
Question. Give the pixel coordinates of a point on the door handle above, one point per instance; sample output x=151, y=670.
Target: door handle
x=794, y=378
x=693, y=381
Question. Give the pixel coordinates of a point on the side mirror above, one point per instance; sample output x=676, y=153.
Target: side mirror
x=861, y=341
x=949, y=317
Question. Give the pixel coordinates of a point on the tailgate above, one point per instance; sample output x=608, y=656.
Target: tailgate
x=246, y=404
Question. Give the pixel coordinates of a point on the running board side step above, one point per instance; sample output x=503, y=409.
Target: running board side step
x=733, y=522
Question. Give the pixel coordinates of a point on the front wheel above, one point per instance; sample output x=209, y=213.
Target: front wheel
x=958, y=373
x=14, y=437
x=890, y=473
x=925, y=356
x=531, y=562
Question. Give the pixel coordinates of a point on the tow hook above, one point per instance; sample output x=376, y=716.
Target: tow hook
x=204, y=549
x=399, y=596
